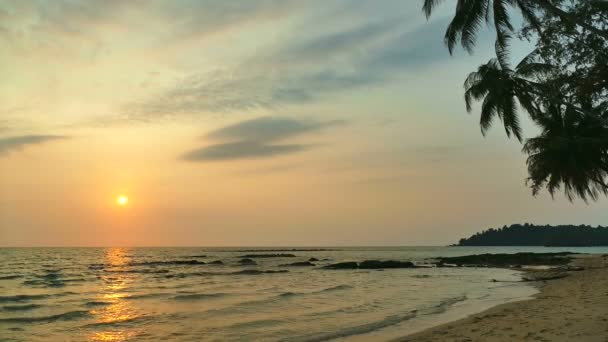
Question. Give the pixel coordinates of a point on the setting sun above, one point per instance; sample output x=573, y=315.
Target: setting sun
x=122, y=200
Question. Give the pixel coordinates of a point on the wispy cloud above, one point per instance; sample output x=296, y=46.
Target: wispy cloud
x=304, y=69
x=10, y=144
x=30, y=24
x=257, y=138
x=216, y=56
x=269, y=129
x=242, y=150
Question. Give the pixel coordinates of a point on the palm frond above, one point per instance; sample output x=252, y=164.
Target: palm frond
x=570, y=154
x=476, y=15
x=528, y=11
x=502, y=51
x=429, y=6
x=510, y=117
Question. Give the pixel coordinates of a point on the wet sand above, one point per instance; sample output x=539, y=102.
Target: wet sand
x=574, y=308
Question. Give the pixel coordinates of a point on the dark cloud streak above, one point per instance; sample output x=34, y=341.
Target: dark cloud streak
x=257, y=138
x=242, y=150
x=269, y=129
x=16, y=143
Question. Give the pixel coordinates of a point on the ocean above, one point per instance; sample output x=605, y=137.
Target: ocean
x=207, y=294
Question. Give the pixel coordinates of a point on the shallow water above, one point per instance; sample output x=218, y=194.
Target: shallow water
x=138, y=294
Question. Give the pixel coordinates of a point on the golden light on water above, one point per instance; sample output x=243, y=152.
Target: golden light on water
x=115, y=291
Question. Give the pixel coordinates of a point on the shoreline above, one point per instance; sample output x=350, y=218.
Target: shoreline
x=573, y=308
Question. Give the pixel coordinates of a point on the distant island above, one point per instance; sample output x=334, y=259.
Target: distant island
x=532, y=235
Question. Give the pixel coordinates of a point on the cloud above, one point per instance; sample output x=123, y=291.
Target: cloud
x=10, y=144
x=242, y=150
x=257, y=138
x=305, y=69
x=29, y=24
x=269, y=129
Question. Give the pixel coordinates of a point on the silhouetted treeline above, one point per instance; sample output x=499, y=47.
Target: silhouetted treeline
x=531, y=235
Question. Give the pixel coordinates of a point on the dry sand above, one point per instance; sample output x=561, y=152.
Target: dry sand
x=573, y=309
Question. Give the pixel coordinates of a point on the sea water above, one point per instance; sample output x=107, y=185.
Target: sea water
x=178, y=294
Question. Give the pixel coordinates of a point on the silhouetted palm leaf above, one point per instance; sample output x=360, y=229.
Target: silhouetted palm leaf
x=572, y=152
x=471, y=14
x=501, y=89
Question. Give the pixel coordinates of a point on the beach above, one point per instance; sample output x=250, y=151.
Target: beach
x=574, y=308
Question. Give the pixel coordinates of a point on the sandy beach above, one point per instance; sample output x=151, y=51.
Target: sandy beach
x=574, y=308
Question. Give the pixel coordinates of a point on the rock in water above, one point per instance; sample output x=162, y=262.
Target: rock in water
x=370, y=265
x=303, y=263
x=249, y=256
x=247, y=261
x=376, y=264
x=350, y=265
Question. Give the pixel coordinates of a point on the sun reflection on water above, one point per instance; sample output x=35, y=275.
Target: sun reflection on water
x=114, y=291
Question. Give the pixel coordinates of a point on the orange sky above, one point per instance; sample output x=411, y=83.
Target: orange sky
x=272, y=123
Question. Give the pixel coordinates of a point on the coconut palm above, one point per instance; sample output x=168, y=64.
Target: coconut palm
x=572, y=152
x=471, y=14
x=502, y=88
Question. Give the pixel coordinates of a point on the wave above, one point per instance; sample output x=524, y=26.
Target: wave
x=361, y=329
x=52, y=281
x=329, y=289
x=97, y=266
x=50, y=274
x=147, y=295
x=10, y=277
x=66, y=316
x=251, y=304
x=386, y=322
x=256, y=272
x=144, y=271
x=191, y=274
x=254, y=324
x=281, y=250
x=25, y=298
x=96, y=303
x=335, y=288
x=21, y=298
x=285, y=295
x=25, y=307
x=170, y=262
x=118, y=322
x=445, y=304
x=44, y=283
x=205, y=274
x=51, y=270
x=199, y=296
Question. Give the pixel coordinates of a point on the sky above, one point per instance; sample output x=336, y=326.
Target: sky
x=250, y=123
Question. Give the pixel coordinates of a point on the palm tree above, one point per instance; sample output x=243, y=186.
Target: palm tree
x=572, y=150
x=501, y=88
x=574, y=20
x=471, y=14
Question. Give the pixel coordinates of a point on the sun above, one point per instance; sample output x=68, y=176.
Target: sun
x=122, y=200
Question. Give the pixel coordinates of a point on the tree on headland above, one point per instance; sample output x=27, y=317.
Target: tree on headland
x=533, y=235
x=562, y=85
